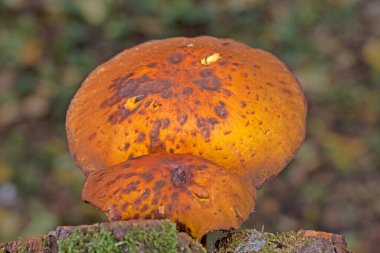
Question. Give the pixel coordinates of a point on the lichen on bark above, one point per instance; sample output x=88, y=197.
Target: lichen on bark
x=250, y=241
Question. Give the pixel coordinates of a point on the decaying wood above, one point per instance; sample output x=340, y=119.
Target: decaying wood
x=338, y=241
x=303, y=241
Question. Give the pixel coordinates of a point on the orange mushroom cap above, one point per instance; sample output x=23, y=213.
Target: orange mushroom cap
x=237, y=106
x=197, y=194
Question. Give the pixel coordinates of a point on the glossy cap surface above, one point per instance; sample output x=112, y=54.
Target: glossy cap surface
x=237, y=106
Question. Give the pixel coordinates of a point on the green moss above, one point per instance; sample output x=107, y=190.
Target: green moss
x=45, y=242
x=152, y=239
x=22, y=246
x=284, y=242
x=103, y=241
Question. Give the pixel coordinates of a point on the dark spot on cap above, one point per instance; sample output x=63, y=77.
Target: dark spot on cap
x=124, y=87
x=286, y=91
x=155, y=86
x=148, y=216
x=124, y=206
x=197, y=102
x=165, y=123
x=98, y=178
x=187, y=90
x=225, y=43
x=92, y=136
x=206, y=132
x=243, y=104
x=131, y=187
x=227, y=132
x=117, y=178
x=155, y=130
x=201, y=122
x=127, y=87
x=149, y=102
x=175, y=197
x=182, y=118
x=145, y=194
x=201, y=166
x=156, y=146
x=100, y=173
x=175, y=58
x=120, y=114
x=147, y=176
x=155, y=200
x=179, y=176
x=144, y=208
x=208, y=80
x=222, y=63
x=114, y=216
x=171, y=151
x=140, y=137
x=220, y=110
x=270, y=84
x=158, y=185
x=152, y=65
x=137, y=202
x=213, y=121
x=227, y=92
x=166, y=93
x=206, y=72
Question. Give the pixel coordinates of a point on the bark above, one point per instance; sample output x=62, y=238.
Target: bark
x=303, y=241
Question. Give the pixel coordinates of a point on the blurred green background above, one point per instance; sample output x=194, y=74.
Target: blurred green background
x=47, y=47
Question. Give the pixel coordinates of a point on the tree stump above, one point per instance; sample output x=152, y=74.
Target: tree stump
x=161, y=236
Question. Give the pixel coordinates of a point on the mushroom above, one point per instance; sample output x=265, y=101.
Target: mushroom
x=234, y=105
x=197, y=194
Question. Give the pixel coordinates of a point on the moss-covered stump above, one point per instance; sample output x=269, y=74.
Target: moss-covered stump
x=157, y=236
x=304, y=241
x=121, y=236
